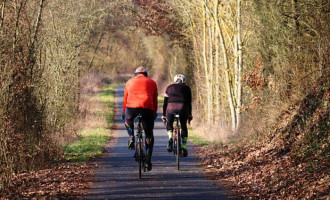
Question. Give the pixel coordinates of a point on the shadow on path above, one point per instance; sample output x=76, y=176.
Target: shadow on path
x=117, y=175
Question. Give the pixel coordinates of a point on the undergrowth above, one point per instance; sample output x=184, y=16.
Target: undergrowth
x=193, y=136
x=89, y=145
x=94, y=137
x=291, y=162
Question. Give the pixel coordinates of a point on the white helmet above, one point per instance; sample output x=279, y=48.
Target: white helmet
x=180, y=78
x=141, y=70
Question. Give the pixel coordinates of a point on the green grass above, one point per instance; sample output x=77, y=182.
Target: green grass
x=91, y=141
x=89, y=145
x=199, y=141
x=193, y=137
x=108, y=97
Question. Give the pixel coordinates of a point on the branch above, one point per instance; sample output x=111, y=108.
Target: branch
x=38, y=22
x=96, y=48
x=2, y=17
x=18, y=10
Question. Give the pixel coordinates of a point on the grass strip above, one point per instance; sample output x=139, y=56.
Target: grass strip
x=89, y=145
x=108, y=97
x=193, y=137
x=92, y=140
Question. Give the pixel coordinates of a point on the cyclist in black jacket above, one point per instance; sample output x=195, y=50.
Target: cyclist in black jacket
x=178, y=100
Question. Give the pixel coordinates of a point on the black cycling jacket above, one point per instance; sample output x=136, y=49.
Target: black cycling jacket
x=178, y=93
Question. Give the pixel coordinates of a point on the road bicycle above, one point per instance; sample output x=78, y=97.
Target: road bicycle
x=177, y=142
x=139, y=147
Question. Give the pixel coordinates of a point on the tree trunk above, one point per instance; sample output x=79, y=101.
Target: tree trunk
x=95, y=50
x=227, y=77
x=210, y=78
x=204, y=54
x=216, y=62
x=2, y=14
x=240, y=66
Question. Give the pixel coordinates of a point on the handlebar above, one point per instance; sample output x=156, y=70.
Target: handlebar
x=164, y=119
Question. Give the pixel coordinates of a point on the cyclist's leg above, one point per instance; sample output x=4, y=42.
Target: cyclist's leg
x=184, y=133
x=169, y=125
x=184, y=128
x=148, y=126
x=169, y=128
x=130, y=114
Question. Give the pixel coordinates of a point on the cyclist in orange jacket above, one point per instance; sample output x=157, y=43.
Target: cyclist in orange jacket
x=178, y=100
x=140, y=96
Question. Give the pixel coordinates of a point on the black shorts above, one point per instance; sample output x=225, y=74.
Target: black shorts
x=182, y=111
x=147, y=118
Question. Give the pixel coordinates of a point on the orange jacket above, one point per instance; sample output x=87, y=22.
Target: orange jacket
x=141, y=92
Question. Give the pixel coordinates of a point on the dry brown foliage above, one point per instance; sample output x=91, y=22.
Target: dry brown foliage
x=154, y=16
x=66, y=181
x=292, y=163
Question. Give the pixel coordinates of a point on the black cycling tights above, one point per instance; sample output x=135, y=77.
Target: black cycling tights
x=147, y=123
x=183, y=121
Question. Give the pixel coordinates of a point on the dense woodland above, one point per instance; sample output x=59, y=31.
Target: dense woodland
x=248, y=62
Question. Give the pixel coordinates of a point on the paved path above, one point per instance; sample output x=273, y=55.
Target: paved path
x=117, y=175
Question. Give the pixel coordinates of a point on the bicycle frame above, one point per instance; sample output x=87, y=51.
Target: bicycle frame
x=177, y=146
x=139, y=152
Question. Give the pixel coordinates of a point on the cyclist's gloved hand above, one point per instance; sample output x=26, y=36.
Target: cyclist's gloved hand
x=155, y=116
x=123, y=116
x=164, y=120
x=190, y=117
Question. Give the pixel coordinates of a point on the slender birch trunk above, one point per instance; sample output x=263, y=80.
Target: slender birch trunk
x=210, y=78
x=228, y=80
x=216, y=56
x=240, y=66
x=206, y=74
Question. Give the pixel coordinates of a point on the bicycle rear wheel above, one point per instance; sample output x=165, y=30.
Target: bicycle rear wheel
x=178, y=148
x=140, y=158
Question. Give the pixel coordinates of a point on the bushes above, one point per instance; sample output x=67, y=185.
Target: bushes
x=291, y=45
x=39, y=79
x=45, y=48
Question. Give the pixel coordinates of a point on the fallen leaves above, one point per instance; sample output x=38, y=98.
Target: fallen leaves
x=291, y=162
x=251, y=174
x=66, y=181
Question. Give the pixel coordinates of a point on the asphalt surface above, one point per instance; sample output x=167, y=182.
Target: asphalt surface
x=117, y=174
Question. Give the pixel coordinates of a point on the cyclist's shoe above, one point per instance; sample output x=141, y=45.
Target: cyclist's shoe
x=131, y=143
x=148, y=165
x=184, y=153
x=170, y=145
